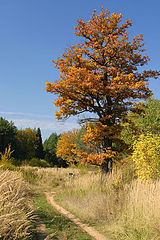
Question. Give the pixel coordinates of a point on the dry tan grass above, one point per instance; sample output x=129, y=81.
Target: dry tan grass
x=88, y=195
x=16, y=215
x=119, y=205
x=91, y=198
x=140, y=219
x=143, y=202
x=127, y=207
x=46, y=179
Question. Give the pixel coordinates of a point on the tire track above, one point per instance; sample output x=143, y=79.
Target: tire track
x=90, y=230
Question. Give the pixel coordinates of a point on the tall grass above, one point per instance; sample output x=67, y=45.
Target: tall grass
x=119, y=205
x=92, y=198
x=46, y=179
x=142, y=210
x=16, y=215
x=122, y=208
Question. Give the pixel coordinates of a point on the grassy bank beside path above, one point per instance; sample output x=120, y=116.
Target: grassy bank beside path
x=56, y=224
x=120, y=206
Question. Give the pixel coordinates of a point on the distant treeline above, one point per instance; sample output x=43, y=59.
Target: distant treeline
x=27, y=147
x=80, y=146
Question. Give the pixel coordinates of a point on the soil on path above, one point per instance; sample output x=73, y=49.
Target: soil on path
x=90, y=230
x=42, y=233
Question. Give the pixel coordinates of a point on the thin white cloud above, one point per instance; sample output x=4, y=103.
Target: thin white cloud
x=25, y=114
x=47, y=124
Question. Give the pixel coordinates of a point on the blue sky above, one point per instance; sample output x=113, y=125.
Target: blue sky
x=33, y=32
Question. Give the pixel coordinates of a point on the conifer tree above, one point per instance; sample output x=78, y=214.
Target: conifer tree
x=39, y=150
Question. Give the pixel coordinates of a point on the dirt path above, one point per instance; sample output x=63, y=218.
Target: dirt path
x=90, y=230
x=41, y=230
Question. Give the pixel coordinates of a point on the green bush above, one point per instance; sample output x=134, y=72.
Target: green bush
x=7, y=166
x=30, y=174
x=36, y=162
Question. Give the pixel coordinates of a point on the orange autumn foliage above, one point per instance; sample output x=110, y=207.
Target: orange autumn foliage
x=66, y=146
x=102, y=75
x=95, y=159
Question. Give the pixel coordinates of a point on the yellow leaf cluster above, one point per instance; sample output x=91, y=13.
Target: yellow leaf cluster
x=7, y=154
x=66, y=146
x=146, y=156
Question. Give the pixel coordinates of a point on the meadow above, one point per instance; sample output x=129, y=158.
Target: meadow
x=17, y=218
x=119, y=205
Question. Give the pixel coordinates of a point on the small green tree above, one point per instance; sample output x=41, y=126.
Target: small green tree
x=149, y=119
x=143, y=119
x=26, y=143
x=50, y=149
x=39, y=149
x=50, y=144
x=7, y=134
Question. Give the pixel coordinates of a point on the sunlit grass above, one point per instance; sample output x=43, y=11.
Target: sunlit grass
x=119, y=205
x=16, y=212
x=57, y=225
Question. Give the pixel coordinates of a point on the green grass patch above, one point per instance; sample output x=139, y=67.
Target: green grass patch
x=57, y=223
x=30, y=175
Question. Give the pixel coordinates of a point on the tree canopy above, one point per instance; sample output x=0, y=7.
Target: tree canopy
x=144, y=119
x=7, y=134
x=26, y=143
x=50, y=149
x=102, y=75
x=39, y=149
x=66, y=147
x=50, y=144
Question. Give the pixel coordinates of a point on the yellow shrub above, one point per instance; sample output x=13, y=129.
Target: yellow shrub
x=146, y=156
x=66, y=147
x=7, y=154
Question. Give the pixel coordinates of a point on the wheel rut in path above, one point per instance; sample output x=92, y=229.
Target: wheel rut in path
x=90, y=230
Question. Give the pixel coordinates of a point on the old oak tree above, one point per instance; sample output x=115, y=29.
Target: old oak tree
x=102, y=75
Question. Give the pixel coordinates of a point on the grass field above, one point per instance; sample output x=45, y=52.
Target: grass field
x=120, y=209
x=17, y=218
x=56, y=224
x=120, y=206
